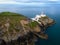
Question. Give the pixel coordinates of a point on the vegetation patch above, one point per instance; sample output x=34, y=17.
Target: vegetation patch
x=33, y=24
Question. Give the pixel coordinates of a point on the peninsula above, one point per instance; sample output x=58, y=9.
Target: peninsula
x=17, y=29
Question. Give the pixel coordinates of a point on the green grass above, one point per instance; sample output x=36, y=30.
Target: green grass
x=14, y=18
x=33, y=24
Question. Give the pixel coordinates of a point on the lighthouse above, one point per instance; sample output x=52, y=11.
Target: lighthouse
x=37, y=17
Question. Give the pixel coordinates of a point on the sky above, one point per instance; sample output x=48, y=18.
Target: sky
x=27, y=1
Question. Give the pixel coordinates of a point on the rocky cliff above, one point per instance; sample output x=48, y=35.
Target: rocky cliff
x=16, y=29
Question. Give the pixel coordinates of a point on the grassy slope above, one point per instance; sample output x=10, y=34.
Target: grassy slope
x=33, y=24
x=14, y=19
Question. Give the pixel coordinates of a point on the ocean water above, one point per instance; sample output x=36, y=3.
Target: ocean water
x=51, y=10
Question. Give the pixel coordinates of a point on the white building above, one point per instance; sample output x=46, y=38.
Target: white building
x=37, y=17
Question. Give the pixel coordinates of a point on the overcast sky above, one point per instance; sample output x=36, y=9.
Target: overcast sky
x=26, y=1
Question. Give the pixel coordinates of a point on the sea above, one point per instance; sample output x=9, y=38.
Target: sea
x=51, y=10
